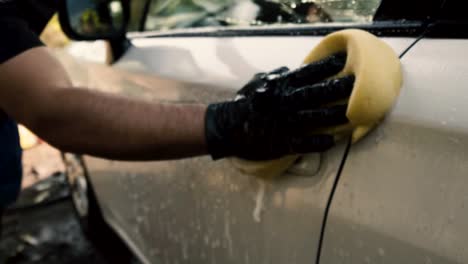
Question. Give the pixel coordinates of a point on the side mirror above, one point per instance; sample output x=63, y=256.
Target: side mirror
x=94, y=19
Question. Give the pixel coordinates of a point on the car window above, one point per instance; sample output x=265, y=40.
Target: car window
x=172, y=14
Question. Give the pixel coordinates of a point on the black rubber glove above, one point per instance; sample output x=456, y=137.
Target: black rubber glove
x=273, y=115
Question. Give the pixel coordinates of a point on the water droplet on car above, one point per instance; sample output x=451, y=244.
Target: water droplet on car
x=139, y=219
x=360, y=243
x=451, y=218
x=428, y=260
x=381, y=252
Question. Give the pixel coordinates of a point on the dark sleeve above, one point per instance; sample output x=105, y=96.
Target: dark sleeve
x=15, y=37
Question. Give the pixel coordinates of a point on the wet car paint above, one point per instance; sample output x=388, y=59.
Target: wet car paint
x=197, y=210
x=402, y=195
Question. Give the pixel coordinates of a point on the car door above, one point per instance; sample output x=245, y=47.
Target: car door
x=197, y=210
x=402, y=195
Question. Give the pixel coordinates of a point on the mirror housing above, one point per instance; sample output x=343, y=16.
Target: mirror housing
x=94, y=19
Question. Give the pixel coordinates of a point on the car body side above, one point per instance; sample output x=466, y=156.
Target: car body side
x=402, y=194
x=399, y=198
x=197, y=210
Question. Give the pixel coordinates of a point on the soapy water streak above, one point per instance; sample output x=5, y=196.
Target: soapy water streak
x=259, y=202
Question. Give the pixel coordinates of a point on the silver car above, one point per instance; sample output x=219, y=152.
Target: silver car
x=398, y=196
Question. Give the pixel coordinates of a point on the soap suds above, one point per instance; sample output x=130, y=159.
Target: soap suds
x=259, y=202
x=227, y=234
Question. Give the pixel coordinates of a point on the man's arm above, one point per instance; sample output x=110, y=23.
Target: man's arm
x=83, y=121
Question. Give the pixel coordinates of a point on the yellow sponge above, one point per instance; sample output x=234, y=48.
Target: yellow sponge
x=377, y=70
x=378, y=81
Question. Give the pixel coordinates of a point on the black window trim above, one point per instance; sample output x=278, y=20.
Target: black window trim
x=379, y=28
x=431, y=27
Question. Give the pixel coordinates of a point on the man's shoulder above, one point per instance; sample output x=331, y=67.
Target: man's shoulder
x=15, y=34
x=8, y=8
x=10, y=18
x=7, y=2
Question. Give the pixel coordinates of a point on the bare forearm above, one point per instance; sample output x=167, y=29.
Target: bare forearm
x=88, y=122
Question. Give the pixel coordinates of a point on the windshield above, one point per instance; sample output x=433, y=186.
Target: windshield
x=171, y=14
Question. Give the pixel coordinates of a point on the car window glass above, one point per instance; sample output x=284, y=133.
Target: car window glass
x=171, y=14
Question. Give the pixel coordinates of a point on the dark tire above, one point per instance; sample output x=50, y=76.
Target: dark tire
x=88, y=212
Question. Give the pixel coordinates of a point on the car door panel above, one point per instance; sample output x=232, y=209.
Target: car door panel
x=402, y=194
x=196, y=210
x=226, y=61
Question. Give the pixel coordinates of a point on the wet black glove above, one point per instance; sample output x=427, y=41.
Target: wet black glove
x=274, y=113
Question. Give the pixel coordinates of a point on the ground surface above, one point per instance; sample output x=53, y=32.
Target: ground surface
x=46, y=235
x=42, y=227
x=47, y=232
